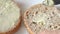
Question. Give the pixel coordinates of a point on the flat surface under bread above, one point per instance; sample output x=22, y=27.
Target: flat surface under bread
x=41, y=17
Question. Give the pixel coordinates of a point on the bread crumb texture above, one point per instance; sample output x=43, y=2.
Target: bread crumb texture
x=41, y=17
x=9, y=15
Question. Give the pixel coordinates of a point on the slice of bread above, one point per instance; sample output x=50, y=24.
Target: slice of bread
x=10, y=17
x=41, y=17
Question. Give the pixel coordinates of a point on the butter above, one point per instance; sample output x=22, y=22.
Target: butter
x=9, y=15
x=48, y=2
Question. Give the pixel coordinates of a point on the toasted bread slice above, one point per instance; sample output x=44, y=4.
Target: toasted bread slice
x=10, y=17
x=41, y=17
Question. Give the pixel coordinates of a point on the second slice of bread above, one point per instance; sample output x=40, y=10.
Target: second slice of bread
x=41, y=17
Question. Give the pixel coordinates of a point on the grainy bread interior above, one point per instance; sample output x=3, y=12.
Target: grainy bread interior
x=41, y=17
x=9, y=15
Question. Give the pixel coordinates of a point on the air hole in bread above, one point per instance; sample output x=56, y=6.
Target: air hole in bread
x=46, y=8
x=36, y=12
x=27, y=13
x=51, y=17
x=50, y=26
x=47, y=18
x=55, y=27
x=34, y=22
x=52, y=12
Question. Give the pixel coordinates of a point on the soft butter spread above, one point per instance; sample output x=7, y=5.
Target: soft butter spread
x=9, y=15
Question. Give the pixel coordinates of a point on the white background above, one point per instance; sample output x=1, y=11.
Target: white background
x=24, y=4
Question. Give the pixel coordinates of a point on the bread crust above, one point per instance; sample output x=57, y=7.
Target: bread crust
x=27, y=27
x=29, y=30
x=28, y=10
x=17, y=26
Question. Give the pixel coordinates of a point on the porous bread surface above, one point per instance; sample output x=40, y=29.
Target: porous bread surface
x=41, y=17
x=9, y=15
